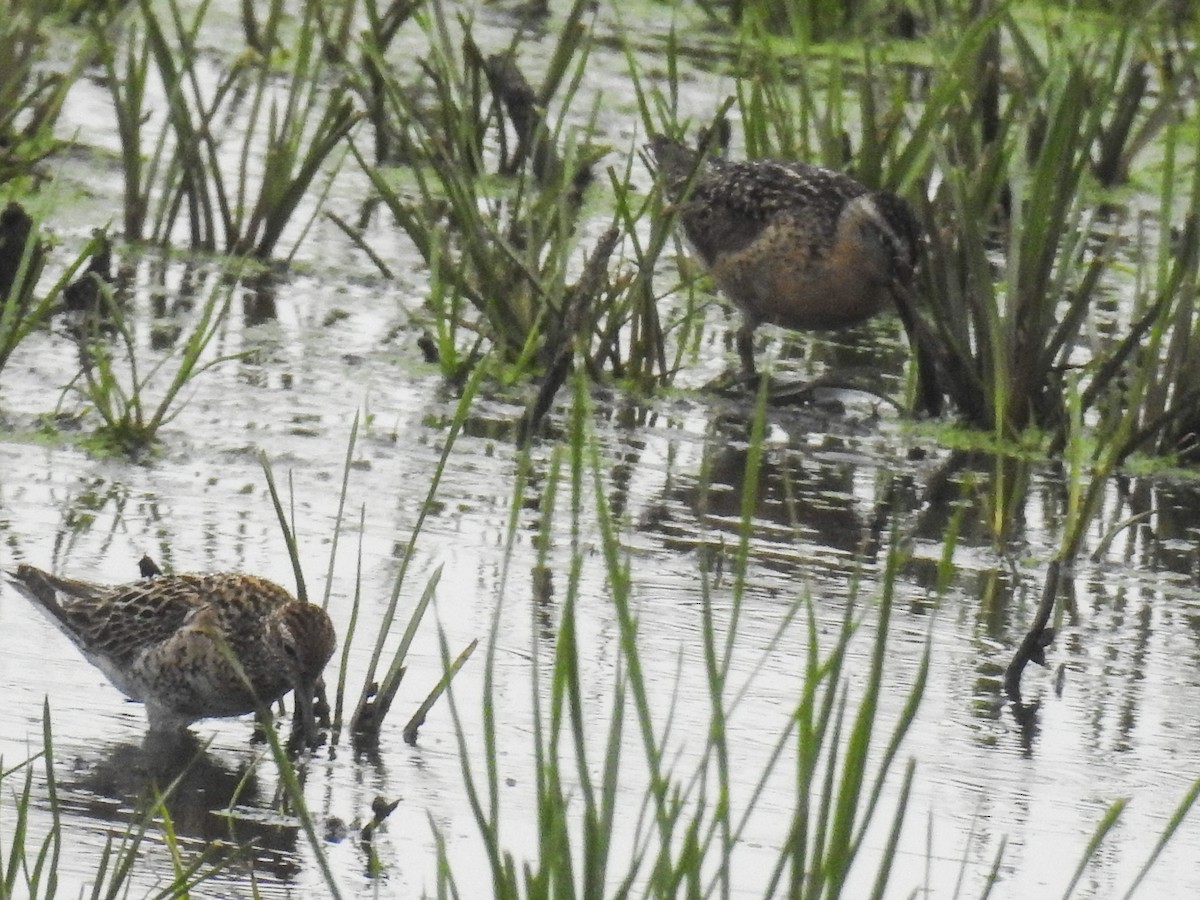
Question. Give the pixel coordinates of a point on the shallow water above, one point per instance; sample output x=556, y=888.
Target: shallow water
x=834, y=483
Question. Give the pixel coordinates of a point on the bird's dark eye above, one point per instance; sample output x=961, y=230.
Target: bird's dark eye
x=290, y=650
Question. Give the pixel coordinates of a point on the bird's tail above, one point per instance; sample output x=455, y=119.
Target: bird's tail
x=43, y=588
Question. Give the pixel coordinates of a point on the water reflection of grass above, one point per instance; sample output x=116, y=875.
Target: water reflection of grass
x=614, y=807
x=1004, y=129
x=29, y=864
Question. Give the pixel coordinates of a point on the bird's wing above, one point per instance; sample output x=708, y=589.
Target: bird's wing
x=117, y=621
x=762, y=189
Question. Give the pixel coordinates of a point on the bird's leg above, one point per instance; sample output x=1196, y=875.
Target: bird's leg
x=747, y=379
x=745, y=349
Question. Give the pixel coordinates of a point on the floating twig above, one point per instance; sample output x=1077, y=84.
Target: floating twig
x=1037, y=639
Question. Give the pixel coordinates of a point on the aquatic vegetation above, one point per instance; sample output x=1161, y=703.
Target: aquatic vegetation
x=1058, y=314
x=376, y=697
x=32, y=872
x=1001, y=153
x=117, y=386
x=1022, y=183
x=813, y=21
x=501, y=233
x=23, y=257
x=496, y=168
x=501, y=166
x=684, y=826
x=31, y=94
x=179, y=179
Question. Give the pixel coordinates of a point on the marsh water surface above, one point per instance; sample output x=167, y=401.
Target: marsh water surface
x=331, y=340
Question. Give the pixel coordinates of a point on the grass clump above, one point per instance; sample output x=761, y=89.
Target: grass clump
x=377, y=696
x=1022, y=254
x=1144, y=394
x=685, y=823
x=493, y=191
x=31, y=95
x=497, y=245
x=23, y=255
x=117, y=382
x=179, y=185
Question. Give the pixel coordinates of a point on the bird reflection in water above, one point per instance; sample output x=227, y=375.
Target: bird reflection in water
x=212, y=799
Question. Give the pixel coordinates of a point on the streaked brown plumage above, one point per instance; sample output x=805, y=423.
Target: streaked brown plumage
x=168, y=641
x=790, y=243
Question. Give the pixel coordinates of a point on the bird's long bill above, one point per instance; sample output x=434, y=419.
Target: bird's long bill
x=303, y=692
x=929, y=390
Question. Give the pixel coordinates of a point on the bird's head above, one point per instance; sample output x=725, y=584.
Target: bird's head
x=303, y=640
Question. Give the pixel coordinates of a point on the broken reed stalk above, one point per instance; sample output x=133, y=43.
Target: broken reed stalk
x=451, y=669
x=569, y=340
